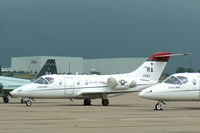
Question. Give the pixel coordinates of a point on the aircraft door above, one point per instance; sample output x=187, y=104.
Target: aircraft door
x=69, y=86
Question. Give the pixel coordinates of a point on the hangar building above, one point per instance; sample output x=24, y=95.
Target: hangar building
x=33, y=64
x=112, y=65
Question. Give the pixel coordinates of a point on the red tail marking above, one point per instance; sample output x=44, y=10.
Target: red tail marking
x=155, y=56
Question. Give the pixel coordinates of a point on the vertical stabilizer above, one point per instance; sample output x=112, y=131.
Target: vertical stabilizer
x=48, y=68
x=153, y=67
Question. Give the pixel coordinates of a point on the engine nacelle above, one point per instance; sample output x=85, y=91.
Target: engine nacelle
x=120, y=84
x=112, y=83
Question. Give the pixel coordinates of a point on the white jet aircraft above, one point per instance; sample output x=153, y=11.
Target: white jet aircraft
x=8, y=84
x=177, y=87
x=96, y=86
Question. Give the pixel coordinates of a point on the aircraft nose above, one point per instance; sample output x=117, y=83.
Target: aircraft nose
x=142, y=94
x=146, y=93
x=15, y=92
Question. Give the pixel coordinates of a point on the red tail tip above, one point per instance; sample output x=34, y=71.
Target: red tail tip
x=160, y=56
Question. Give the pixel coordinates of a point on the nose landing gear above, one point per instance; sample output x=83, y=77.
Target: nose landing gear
x=28, y=103
x=158, y=106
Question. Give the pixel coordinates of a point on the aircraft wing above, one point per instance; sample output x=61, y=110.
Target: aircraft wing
x=102, y=94
x=8, y=84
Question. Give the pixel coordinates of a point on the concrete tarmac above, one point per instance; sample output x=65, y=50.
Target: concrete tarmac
x=125, y=114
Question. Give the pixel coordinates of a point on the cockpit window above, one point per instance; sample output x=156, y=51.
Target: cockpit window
x=51, y=80
x=173, y=80
x=183, y=79
x=41, y=81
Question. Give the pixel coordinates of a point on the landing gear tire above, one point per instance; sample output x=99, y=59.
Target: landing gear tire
x=105, y=102
x=24, y=100
x=5, y=100
x=28, y=103
x=87, y=102
x=158, y=106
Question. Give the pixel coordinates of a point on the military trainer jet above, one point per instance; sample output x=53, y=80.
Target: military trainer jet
x=89, y=87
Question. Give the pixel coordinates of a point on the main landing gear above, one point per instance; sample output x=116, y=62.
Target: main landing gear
x=87, y=102
x=105, y=102
x=158, y=106
x=5, y=100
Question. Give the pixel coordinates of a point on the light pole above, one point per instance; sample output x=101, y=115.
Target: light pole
x=69, y=65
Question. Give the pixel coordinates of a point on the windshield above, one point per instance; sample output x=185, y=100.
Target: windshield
x=41, y=81
x=183, y=79
x=51, y=80
x=173, y=80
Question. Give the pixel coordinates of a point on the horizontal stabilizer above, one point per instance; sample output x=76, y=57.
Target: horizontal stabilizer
x=173, y=55
x=164, y=56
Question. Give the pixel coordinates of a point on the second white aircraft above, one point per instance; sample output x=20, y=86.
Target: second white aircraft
x=177, y=87
x=89, y=87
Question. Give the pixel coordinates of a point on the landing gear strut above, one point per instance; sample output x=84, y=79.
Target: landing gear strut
x=105, y=102
x=87, y=102
x=5, y=100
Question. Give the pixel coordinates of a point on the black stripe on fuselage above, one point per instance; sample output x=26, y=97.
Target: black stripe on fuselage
x=178, y=91
x=96, y=87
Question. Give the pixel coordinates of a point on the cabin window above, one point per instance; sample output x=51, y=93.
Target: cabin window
x=194, y=82
x=51, y=80
x=78, y=82
x=60, y=82
x=86, y=82
x=173, y=80
x=41, y=81
x=183, y=79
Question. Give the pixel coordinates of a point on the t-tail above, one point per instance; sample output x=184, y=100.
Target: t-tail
x=48, y=68
x=153, y=67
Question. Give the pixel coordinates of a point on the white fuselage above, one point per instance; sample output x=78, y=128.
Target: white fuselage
x=80, y=87
x=178, y=87
x=96, y=86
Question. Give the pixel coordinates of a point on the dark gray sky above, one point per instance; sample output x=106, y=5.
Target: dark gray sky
x=100, y=28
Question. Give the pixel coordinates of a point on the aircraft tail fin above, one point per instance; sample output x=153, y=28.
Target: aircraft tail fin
x=48, y=68
x=153, y=67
